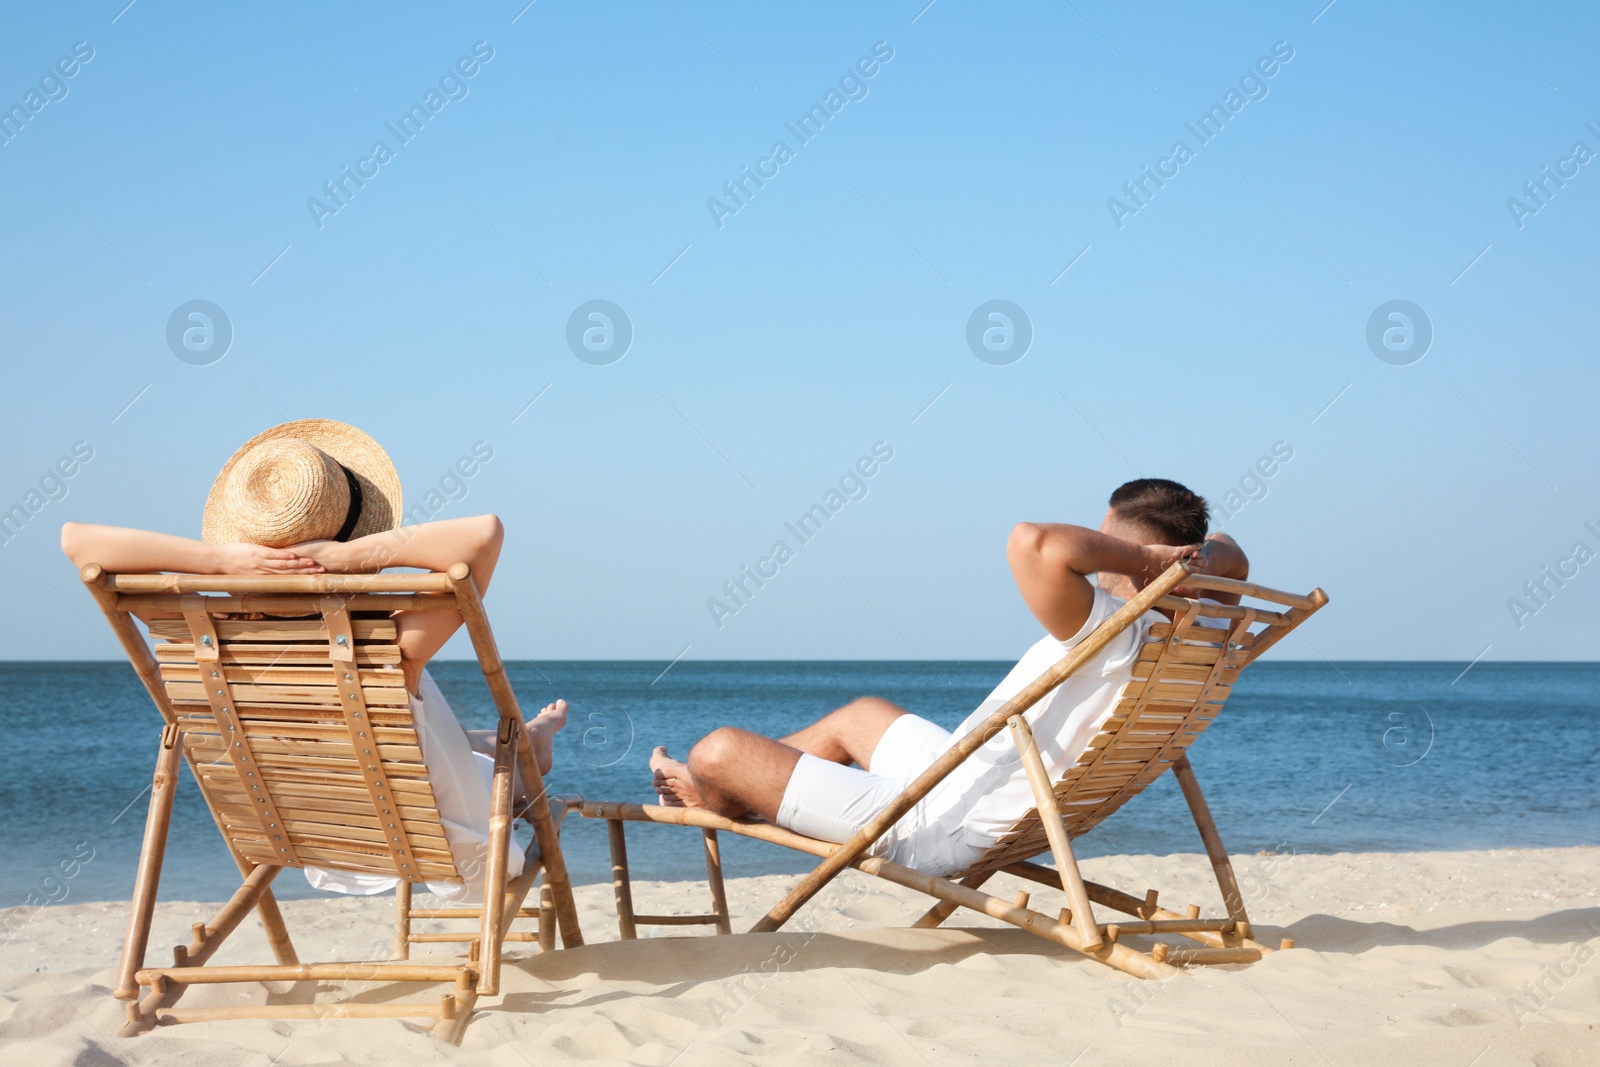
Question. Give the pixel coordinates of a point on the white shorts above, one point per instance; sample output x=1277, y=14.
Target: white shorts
x=833, y=802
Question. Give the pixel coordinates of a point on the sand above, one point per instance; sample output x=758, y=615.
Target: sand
x=1461, y=959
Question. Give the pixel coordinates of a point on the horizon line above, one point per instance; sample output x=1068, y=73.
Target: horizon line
x=863, y=659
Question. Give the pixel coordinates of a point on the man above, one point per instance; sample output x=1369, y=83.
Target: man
x=805, y=781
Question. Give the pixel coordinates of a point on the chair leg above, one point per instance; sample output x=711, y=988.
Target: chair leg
x=1017, y=913
x=455, y=1010
x=208, y=937
x=621, y=887
x=470, y=605
x=272, y=924
x=1055, y=829
x=1183, y=924
x=494, y=879
x=402, y=921
x=547, y=918
x=719, y=897
x=628, y=920
x=267, y=910
x=163, y=787
x=555, y=863
x=1232, y=899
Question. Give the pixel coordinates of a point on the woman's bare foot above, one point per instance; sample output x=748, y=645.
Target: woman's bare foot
x=542, y=731
x=673, y=782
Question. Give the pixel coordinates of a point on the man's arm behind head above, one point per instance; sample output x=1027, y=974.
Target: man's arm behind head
x=1051, y=563
x=1223, y=558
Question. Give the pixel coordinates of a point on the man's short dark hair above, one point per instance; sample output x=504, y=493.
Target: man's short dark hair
x=1173, y=512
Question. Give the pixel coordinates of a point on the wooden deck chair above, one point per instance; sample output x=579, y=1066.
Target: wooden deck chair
x=285, y=697
x=1181, y=678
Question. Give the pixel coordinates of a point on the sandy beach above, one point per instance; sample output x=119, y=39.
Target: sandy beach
x=1448, y=958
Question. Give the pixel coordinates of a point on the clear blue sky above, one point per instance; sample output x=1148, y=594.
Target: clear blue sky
x=1221, y=318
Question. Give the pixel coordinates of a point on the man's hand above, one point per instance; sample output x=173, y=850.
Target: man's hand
x=1223, y=558
x=1157, y=558
x=1218, y=555
x=241, y=558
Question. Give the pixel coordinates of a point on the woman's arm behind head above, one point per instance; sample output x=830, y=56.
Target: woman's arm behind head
x=429, y=546
x=432, y=546
x=122, y=550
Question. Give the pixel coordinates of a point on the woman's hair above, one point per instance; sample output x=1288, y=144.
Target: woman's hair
x=1175, y=513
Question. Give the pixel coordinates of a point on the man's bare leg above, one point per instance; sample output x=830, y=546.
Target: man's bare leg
x=850, y=734
x=735, y=772
x=671, y=780
x=730, y=771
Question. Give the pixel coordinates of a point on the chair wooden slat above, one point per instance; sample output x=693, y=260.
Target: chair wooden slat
x=292, y=787
x=332, y=834
x=267, y=746
x=257, y=711
x=274, y=630
x=1200, y=636
x=290, y=694
x=348, y=859
x=314, y=809
x=269, y=654
x=282, y=674
x=1183, y=670
x=321, y=730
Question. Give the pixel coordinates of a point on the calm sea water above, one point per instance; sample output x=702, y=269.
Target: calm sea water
x=1309, y=756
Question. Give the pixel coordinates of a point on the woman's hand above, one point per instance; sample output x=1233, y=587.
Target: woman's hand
x=241, y=558
x=333, y=557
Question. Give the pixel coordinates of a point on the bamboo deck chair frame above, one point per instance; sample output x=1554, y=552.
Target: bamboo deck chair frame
x=1184, y=673
x=294, y=695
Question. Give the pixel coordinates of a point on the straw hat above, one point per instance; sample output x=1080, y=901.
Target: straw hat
x=311, y=480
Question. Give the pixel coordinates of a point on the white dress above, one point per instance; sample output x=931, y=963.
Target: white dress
x=462, y=779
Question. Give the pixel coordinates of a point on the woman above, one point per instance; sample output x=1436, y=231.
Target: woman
x=320, y=497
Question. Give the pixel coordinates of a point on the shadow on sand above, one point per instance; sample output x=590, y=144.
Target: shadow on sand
x=676, y=965
x=1329, y=933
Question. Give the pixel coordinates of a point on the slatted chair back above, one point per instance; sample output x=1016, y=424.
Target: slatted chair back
x=301, y=734
x=1182, y=677
x=289, y=697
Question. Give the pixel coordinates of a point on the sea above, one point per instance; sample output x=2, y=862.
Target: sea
x=1306, y=757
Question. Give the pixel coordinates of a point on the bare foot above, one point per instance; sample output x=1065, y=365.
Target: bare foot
x=673, y=782
x=542, y=731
